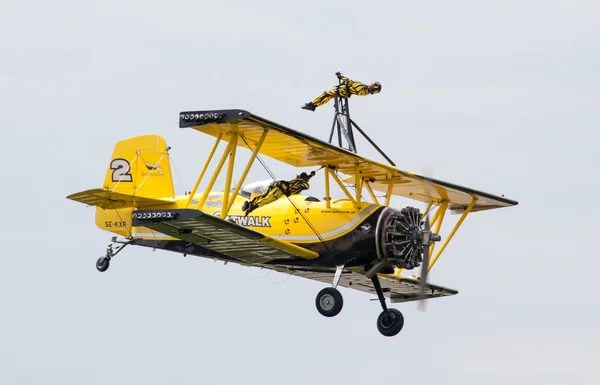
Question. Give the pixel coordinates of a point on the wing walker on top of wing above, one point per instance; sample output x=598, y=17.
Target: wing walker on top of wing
x=353, y=241
x=342, y=126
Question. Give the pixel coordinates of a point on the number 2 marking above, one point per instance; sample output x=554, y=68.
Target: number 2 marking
x=121, y=170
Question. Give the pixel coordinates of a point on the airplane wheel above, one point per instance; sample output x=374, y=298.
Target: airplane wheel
x=102, y=264
x=389, y=323
x=329, y=302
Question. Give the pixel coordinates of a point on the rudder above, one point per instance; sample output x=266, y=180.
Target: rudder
x=140, y=166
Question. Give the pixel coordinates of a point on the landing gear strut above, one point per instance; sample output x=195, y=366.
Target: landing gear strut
x=103, y=263
x=329, y=301
x=390, y=321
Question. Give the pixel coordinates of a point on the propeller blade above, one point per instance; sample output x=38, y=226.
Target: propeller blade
x=426, y=249
x=424, y=270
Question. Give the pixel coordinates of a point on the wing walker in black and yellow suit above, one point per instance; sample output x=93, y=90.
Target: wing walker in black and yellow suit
x=277, y=189
x=345, y=89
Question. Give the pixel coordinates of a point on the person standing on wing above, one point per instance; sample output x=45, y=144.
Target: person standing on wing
x=345, y=90
x=276, y=190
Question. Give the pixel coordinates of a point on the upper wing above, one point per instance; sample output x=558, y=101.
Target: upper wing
x=218, y=235
x=395, y=287
x=107, y=199
x=301, y=150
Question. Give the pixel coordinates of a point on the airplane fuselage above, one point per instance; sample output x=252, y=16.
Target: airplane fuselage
x=339, y=232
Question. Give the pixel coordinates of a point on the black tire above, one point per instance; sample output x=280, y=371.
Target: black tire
x=389, y=323
x=329, y=302
x=102, y=264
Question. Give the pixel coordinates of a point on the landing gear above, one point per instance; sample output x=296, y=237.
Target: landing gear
x=329, y=301
x=103, y=263
x=390, y=321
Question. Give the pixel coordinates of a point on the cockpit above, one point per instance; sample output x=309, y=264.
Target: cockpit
x=255, y=188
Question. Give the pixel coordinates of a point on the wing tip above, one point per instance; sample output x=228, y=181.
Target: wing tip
x=197, y=118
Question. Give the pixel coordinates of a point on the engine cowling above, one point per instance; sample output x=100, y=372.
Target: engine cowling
x=400, y=237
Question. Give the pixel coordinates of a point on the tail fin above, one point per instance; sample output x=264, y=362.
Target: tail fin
x=138, y=175
x=140, y=167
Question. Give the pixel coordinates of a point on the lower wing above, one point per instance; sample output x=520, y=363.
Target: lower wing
x=220, y=236
x=395, y=287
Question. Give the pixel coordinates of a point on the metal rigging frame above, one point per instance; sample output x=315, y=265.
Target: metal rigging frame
x=343, y=125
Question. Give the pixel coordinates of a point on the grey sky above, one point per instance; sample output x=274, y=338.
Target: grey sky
x=499, y=96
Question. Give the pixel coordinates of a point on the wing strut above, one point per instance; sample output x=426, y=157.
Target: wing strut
x=228, y=154
x=291, y=202
x=454, y=229
x=210, y=155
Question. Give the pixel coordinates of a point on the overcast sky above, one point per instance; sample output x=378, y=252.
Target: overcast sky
x=499, y=96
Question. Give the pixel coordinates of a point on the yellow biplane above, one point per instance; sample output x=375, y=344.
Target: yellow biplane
x=354, y=242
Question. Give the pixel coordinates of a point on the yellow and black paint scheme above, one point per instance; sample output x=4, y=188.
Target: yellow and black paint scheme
x=335, y=231
x=315, y=238
x=316, y=232
x=345, y=90
x=338, y=234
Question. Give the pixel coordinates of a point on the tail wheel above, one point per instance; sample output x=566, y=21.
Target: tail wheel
x=390, y=322
x=329, y=302
x=102, y=263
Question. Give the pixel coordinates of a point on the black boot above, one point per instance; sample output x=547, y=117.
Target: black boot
x=249, y=209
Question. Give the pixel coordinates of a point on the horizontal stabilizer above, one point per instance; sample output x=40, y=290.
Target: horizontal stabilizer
x=107, y=199
x=219, y=235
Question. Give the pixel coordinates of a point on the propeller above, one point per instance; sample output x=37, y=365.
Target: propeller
x=424, y=266
x=427, y=239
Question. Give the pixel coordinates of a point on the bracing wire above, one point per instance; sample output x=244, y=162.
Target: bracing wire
x=123, y=220
x=289, y=199
x=144, y=180
x=177, y=173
